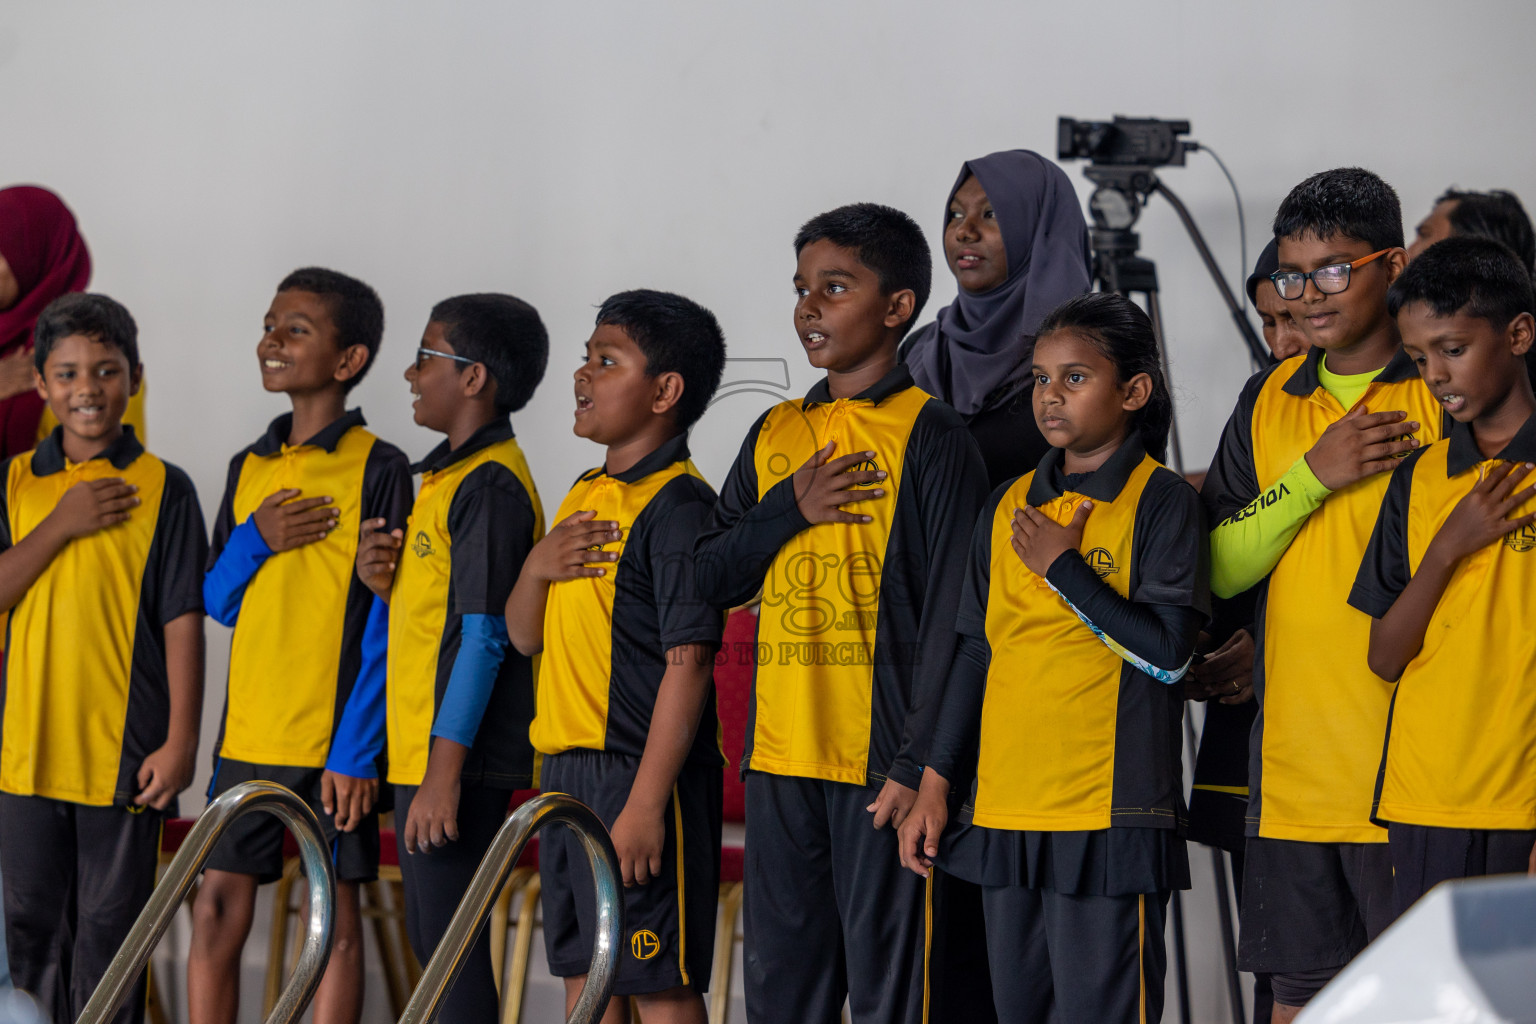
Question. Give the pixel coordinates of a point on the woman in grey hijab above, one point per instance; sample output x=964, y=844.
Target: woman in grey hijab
x=1016, y=241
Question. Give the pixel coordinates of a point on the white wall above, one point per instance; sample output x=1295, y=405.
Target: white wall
x=566, y=151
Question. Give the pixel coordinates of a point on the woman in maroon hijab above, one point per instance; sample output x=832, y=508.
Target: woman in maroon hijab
x=42, y=256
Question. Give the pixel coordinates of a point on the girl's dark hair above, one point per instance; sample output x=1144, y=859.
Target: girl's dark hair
x=1119, y=329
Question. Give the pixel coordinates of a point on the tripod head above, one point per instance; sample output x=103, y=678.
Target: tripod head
x=1122, y=155
x=1119, y=194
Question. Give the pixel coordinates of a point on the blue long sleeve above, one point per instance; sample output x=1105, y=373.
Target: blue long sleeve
x=360, y=736
x=483, y=643
x=224, y=585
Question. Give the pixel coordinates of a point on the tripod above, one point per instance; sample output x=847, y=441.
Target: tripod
x=1117, y=268
x=1116, y=204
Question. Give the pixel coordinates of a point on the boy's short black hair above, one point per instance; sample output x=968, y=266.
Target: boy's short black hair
x=1464, y=274
x=888, y=242
x=677, y=335
x=1350, y=201
x=505, y=334
x=99, y=317
x=354, y=307
x=1497, y=215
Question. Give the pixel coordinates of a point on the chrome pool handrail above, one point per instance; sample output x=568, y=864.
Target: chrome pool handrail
x=448, y=960
x=246, y=798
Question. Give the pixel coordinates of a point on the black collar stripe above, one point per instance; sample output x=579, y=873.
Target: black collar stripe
x=898, y=380
x=673, y=450
x=49, y=456
x=1104, y=484
x=328, y=438
x=1464, y=452
x=1305, y=379
x=443, y=456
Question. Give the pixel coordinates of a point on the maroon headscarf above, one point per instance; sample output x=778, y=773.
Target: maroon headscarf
x=43, y=247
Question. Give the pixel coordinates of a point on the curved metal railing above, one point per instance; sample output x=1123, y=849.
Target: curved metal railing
x=497, y=864
x=167, y=898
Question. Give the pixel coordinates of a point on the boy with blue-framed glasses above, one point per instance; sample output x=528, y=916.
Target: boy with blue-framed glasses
x=1294, y=489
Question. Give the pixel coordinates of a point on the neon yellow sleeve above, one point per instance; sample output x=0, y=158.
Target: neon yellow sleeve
x=1249, y=543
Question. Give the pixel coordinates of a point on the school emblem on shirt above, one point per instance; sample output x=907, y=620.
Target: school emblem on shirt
x=644, y=944
x=867, y=466
x=1101, y=562
x=1521, y=540
x=422, y=545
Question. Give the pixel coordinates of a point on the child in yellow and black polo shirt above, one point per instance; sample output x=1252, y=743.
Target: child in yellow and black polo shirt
x=101, y=549
x=1294, y=489
x=459, y=702
x=626, y=701
x=850, y=510
x=301, y=710
x=1448, y=577
x=1085, y=594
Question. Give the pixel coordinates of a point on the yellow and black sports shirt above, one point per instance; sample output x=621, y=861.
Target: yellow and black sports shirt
x=1074, y=736
x=476, y=517
x=1322, y=711
x=606, y=638
x=1461, y=739
x=86, y=692
x=298, y=615
x=856, y=629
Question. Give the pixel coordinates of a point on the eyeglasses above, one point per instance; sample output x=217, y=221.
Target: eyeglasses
x=1330, y=280
x=427, y=353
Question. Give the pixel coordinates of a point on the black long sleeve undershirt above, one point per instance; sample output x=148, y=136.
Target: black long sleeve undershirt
x=1162, y=634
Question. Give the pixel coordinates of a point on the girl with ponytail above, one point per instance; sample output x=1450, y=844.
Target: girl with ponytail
x=1086, y=588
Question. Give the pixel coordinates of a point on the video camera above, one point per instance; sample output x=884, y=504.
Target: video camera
x=1125, y=141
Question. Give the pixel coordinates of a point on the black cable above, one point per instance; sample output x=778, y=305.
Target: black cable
x=1256, y=348
x=1242, y=226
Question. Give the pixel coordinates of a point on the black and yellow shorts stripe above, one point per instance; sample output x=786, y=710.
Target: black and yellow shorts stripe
x=669, y=923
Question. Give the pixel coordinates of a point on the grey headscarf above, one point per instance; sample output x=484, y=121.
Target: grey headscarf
x=979, y=345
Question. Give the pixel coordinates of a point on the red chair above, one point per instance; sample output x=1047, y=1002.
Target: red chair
x=733, y=698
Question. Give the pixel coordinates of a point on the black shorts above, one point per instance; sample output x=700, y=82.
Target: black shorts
x=669, y=922
x=1311, y=907
x=254, y=843
x=1424, y=856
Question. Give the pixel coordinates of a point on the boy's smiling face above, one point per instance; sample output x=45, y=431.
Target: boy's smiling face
x=615, y=396
x=436, y=382
x=300, y=348
x=844, y=321
x=1341, y=320
x=1468, y=364
x=87, y=384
